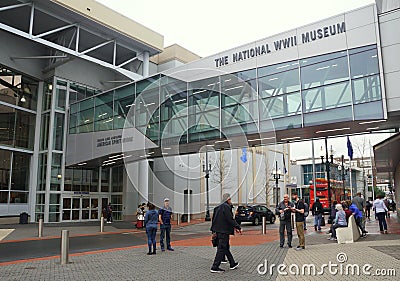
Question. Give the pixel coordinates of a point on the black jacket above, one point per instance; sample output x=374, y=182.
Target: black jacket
x=317, y=208
x=223, y=221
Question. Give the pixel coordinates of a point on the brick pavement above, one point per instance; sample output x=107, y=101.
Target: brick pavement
x=190, y=262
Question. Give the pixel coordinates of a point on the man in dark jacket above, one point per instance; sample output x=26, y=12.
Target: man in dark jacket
x=223, y=224
x=317, y=211
x=284, y=209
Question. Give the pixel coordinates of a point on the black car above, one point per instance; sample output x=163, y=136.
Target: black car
x=254, y=214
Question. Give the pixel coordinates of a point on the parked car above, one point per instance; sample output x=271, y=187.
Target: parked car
x=254, y=214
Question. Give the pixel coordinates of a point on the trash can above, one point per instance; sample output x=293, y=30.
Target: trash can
x=184, y=218
x=23, y=218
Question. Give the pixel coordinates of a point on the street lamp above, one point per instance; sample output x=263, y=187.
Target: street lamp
x=207, y=170
x=277, y=175
x=328, y=169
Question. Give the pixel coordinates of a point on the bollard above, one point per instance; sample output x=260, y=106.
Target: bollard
x=179, y=219
x=40, y=230
x=102, y=224
x=64, y=258
x=264, y=225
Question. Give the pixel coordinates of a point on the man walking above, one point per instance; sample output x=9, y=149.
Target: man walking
x=317, y=211
x=164, y=215
x=299, y=218
x=360, y=203
x=223, y=224
x=284, y=209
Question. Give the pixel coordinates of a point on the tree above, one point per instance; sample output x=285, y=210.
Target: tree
x=362, y=147
x=221, y=174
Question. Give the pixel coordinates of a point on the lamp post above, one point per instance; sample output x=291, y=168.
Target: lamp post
x=277, y=175
x=207, y=170
x=328, y=169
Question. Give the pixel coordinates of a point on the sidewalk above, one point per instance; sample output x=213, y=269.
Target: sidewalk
x=192, y=259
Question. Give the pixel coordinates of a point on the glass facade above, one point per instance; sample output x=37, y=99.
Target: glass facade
x=311, y=91
x=54, y=182
x=18, y=103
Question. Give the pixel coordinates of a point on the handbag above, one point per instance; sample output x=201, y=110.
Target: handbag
x=214, y=240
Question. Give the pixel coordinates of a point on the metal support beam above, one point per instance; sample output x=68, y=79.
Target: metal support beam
x=126, y=62
x=32, y=16
x=14, y=6
x=95, y=47
x=54, y=31
x=39, y=57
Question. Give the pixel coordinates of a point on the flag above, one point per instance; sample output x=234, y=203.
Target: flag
x=244, y=155
x=284, y=164
x=349, y=148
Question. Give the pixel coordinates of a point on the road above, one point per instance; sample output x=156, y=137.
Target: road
x=30, y=249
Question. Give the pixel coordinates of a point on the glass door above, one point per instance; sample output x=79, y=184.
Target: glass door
x=80, y=208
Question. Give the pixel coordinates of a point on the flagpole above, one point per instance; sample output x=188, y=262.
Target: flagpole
x=313, y=168
x=351, y=183
x=372, y=171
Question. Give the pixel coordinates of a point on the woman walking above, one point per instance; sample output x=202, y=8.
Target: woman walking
x=380, y=212
x=151, y=221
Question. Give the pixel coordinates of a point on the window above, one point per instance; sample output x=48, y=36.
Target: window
x=117, y=179
x=327, y=97
x=323, y=72
x=279, y=83
x=20, y=171
x=61, y=95
x=124, y=99
x=103, y=112
x=18, y=89
x=58, y=131
x=364, y=63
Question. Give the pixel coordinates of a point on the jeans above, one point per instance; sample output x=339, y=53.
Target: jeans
x=165, y=231
x=382, y=221
x=288, y=225
x=317, y=221
x=334, y=227
x=300, y=233
x=151, y=238
x=223, y=249
x=360, y=225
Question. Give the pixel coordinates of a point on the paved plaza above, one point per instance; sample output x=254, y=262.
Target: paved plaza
x=192, y=257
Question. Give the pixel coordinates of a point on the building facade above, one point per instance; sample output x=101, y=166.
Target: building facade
x=88, y=118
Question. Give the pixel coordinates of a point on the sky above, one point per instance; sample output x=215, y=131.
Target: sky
x=211, y=26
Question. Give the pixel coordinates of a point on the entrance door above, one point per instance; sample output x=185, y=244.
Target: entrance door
x=80, y=208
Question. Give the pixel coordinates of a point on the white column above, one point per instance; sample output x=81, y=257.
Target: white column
x=145, y=66
x=35, y=157
x=143, y=181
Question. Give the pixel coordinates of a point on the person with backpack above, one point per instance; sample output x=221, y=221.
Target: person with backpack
x=368, y=207
x=317, y=211
x=299, y=218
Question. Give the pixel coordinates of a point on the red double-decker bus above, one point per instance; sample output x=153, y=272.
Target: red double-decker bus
x=322, y=192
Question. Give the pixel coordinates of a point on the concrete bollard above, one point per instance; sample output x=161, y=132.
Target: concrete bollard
x=264, y=225
x=40, y=230
x=102, y=224
x=64, y=258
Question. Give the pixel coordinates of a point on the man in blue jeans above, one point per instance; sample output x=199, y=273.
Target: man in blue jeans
x=317, y=211
x=164, y=215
